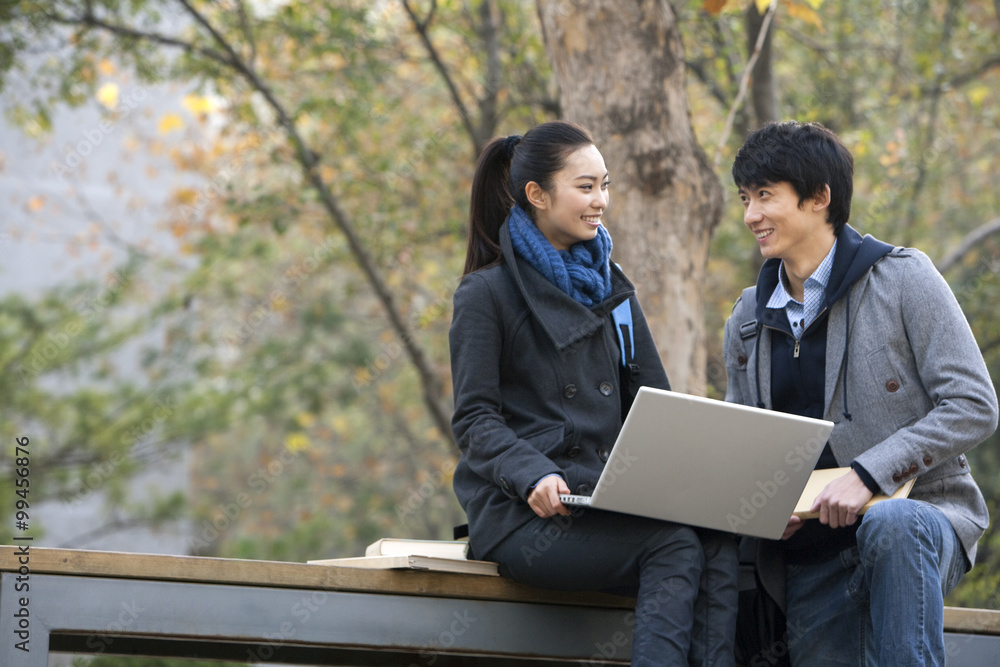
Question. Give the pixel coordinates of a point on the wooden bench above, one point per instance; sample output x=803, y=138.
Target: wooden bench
x=76, y=601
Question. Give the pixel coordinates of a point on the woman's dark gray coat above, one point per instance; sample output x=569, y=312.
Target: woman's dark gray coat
x=537, y=385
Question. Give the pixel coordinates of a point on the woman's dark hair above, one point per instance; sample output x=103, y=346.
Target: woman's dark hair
x=805, y=155
x=505, y=167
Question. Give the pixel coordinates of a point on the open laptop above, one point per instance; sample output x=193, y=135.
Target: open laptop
x=708, y=463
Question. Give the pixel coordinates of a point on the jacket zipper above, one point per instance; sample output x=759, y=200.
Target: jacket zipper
x=795, y=353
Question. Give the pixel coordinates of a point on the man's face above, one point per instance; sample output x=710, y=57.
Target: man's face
x=782, y=228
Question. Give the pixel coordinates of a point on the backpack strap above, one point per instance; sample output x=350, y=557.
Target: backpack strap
x=629, y=371
x=622, y=316
x=744, y=311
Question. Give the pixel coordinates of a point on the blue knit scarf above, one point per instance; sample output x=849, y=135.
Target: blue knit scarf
x=583, y=272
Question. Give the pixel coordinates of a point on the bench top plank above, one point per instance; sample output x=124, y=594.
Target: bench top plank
x=972, y=621
x=196, y=569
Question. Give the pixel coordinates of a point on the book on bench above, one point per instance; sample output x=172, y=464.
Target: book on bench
x=395, y=546
x=820, y=478
x=394, y=553
x=414, y=562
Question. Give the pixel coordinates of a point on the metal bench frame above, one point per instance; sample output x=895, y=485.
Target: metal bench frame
x=262, y=612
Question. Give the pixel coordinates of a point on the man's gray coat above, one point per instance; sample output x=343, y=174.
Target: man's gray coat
x=920, y=395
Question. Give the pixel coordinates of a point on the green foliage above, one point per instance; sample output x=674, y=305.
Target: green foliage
x=62, y=387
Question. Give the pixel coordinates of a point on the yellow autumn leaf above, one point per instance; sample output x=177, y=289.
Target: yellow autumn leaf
x=449, y=475
x=806, y=15
x=170, y=122
x=340, y=426
x=431, y=269
x=178, y=228
x=107, y=95
x=36, y=203
x=305, y=419
x=978, y=94
x=762, y=6
x=296, y=442
x=106, y=67
x=815, y=4
x=198, y=105
x=186, y=196
x=327, y=173
x=714, y=7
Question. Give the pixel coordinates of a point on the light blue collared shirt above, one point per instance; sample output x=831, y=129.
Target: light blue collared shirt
x=801, y=314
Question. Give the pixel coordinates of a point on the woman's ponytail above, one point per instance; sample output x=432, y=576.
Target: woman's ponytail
x=491, y=201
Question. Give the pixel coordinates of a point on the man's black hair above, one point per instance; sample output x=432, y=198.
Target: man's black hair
x=807, y=156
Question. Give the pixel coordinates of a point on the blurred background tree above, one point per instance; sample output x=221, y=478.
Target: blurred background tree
x=300, y=347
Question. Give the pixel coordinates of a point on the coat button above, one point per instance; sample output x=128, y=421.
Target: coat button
x=506, y=486
x=569, y=391
x=604, y=454
x=892, y=386
x=914, y=469
x=573, y=451
x=928, y=461
x=607, y=388
x=961, y=461
x=584, y=490
x=897, y=478
x=742, y=360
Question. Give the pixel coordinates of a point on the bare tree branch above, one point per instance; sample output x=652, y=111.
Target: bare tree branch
x=764, y=99
x=241, y=9
x=431, y=384
x=88, y=20
x=744, y=80
x=955, y=81
x=489, y=115
x=823, y=50
x=422, y=31
x=697, y=67
x=968, y=244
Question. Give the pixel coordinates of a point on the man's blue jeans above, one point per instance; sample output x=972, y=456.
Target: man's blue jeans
x=882, y=602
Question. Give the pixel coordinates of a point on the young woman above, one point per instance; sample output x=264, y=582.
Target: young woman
x=541, y=393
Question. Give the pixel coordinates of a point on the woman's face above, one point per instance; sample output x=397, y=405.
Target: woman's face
x=570, y=211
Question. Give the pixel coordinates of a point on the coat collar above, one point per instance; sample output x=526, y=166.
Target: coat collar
x=852, y=265
x=563, y=319
x=855, y=255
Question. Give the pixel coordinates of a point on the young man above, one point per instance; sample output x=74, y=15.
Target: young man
x=853, y=330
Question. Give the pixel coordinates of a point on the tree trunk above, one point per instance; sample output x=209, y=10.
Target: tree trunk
x=762, y=89
x=620, y=68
